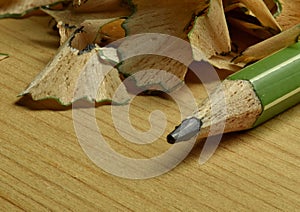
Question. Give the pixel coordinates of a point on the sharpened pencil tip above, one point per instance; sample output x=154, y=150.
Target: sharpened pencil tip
x=171, y=139
x=185, y=131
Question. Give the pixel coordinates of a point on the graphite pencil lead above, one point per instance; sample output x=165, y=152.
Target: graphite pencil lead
x=185, y=131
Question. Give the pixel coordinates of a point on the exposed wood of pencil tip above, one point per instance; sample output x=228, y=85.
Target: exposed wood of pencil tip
x=238, y=110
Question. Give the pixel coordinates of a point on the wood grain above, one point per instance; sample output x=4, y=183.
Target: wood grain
x=44, y=168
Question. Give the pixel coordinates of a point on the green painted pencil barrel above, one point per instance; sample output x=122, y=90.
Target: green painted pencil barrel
x=276, y=81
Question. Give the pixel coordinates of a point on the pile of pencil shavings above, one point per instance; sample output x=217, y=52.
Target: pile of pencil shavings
x=230, y=33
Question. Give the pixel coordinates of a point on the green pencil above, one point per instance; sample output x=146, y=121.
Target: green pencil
x=251, y=96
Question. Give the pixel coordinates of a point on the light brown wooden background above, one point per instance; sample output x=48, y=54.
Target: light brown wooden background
x=43, y=166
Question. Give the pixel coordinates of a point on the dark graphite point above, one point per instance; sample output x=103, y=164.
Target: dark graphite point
x=185, y=131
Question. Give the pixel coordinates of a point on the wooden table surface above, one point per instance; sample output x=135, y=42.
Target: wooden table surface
x=43, y=166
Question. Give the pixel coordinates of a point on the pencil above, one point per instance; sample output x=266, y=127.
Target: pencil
x=251, y=96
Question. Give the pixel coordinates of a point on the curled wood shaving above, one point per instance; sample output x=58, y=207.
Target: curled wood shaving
x=258, y=31
x=18, y=8
x=289, y=15
x=269, y=46
x=112, y=31
x=91, y=10
x=65, y=31
x=225, y=62
x=263, y=14
x=229, y=33
x=166, y=17
x=163, y=56
x=94, y=13
x=210, y=32
x=3, y=56
x=274, y=6
x=79, y=72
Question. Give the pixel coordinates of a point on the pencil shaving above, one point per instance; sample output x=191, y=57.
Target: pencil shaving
x=269, y=46
x=165, y=17
x=210, y=32
x=18, y=8
x=212, y=35
x=253, y=29
x=91, y=10
x=93, y=13
x=3, y=56
x=229, y=33
x=75, y=74
x=289, y=15
x=263, y=14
